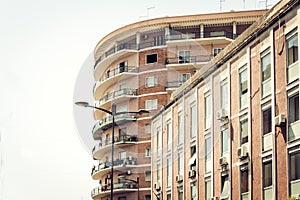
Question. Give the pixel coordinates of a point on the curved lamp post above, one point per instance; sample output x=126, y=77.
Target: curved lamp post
x=113, y=113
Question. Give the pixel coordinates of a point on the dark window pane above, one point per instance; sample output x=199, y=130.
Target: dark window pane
x=294, y=166
x=244, y=181
x=267, y=121
x=152, y=58
x=267, y=174
x=294, y=108
x=292, y=52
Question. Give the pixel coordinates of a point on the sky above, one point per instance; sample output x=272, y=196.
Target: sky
x=45, y=55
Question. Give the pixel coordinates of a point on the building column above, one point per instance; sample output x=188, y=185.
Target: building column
x=201, y=30
x=138, y=40
x=234, y=35
x=167, y=33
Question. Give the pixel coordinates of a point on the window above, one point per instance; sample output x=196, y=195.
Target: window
x=180, y=129
x=193, y=121
x=121, y=198
x=151, y=81
x=147, y=128
x=294, y=173
x=169, y=172
x=151, y=58
x=158, y=172
x=159, y=139
x=267, y=121
x=224, y=95
x=169, y=135
x=217, y=51
x=207, y=116
x=184, y=57
x=225, y=141
x=292, y=57
x=182, y=78
x=217, y=33
x=244, y=180
x=147, y=175
x=122, y=133
x=208, y=190
x=193, y=191
x=122, y=155
x=266, y=74
x=151, y=104
x=293, y=108
x=243, y=88
x=158, y=40
x=180, y=193
x=148, y=152
x=207, y=154
x=169, y=197
x=148, y=197
x=244, y=131
x=224, y=187
x=107, y=139
x=123, y=66
x=267, y=174
x=180, y=163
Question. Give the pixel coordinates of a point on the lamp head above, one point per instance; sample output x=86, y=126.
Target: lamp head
x=82, y=104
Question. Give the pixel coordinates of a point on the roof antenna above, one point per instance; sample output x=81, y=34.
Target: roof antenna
x=147, y=16
x=221, y=1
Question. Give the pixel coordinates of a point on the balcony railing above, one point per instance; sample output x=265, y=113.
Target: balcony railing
x=117, y=186
x=106, y=122
x=118, y=140
x=174, y=84
x=119, y=70
x=189, y=59
x=118, y=162
x=173, y=37
x=118, y=93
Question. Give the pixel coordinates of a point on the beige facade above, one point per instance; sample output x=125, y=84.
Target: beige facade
x=139, y=66
x=234, y=125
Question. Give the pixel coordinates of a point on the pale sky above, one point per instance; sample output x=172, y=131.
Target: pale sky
x=44, y=46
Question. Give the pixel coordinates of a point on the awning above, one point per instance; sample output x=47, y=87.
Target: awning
x=193, y=159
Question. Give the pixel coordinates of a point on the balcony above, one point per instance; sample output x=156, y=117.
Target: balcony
x=111, y=77
x=188, y=62
x=121, y=187
x=119, y=52
x=206, y=38
x=172, y=85
x=118, y=95
x=103, y=148
x=119, y=164
x=106, y=123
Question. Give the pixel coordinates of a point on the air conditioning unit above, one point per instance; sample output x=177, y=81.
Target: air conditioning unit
x=179, y=178
x=222, y=114
x=130, y=158
x=222, y=161
x=214, y=198
x=279, y=120
x=242, y=152
x=192, y=173
x=157, y=186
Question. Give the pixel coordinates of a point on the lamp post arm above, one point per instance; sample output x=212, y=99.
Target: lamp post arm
x=102, y=109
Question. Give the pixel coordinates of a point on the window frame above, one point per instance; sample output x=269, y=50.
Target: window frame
x=152, y=54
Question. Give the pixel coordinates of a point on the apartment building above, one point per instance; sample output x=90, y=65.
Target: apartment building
x=138, y=67
x=232, y=131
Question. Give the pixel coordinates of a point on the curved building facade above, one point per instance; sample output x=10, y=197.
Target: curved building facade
x=138, y=67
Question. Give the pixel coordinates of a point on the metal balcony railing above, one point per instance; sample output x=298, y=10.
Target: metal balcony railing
x=189, y=59
x=118, y=93
x=173, y=37
x=174, y=84
x=117, y=186
x=119, y=70
x=118, y=139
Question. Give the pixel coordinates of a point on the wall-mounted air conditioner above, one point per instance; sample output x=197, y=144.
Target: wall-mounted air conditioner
x=242, y=152
x=179, y=178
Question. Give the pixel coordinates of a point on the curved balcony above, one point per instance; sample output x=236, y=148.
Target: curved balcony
x=118, y=52
x=106, y=123
x=188, y=62
x=206, y=38
x=111, y=77
x=101, y=149
x=121, y=187
x=172, y=85
x=119, y=164
x=116, y=96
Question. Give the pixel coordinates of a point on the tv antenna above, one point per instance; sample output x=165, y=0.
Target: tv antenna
x=148, y=9
x=221, y=1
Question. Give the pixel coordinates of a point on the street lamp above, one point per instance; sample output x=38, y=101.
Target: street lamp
x=113, y=113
